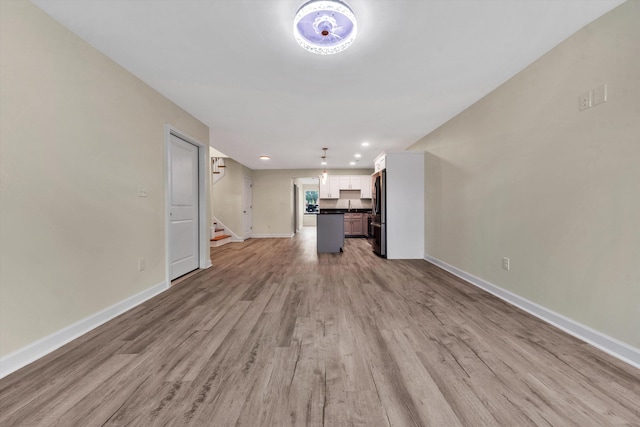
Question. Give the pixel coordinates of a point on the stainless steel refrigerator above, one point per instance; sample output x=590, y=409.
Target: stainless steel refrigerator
x=379, y=212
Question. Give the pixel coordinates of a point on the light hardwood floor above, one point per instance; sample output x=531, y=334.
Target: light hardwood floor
x=277, y=335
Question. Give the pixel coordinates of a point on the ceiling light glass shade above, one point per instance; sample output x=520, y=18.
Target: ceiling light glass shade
x=325, y=26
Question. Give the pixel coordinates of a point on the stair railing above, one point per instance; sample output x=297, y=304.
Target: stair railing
x=217, y=169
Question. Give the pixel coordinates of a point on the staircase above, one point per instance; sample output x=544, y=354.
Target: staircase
x=217, y=169
x=219, y=237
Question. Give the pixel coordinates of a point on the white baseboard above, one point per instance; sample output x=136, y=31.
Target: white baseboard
x=34, y=351
x=271, y=236
x=610, y=345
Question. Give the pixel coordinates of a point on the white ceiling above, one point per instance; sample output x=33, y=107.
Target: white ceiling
x=235, y=65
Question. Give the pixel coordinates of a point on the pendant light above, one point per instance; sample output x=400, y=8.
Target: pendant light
x=324, y=162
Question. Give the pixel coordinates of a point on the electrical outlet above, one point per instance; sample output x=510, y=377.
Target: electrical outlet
x=505, y=263
x=141, y=264
x=584, y=102
x=142, y=191
x=600, y=94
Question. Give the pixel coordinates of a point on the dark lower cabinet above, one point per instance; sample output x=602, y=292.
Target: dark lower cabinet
x=355, y=224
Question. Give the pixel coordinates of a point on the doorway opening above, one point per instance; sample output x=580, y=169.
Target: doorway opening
x=307, y=202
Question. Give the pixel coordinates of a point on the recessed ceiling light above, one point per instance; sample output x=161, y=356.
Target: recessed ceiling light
x=365, y=144
x=352, y=163
x=323, y=163
x=264, y=157
x=357, y=156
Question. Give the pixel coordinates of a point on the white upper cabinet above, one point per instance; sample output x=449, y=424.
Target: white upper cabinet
x=350, y=182
x=380, y=162
x=365, y=187
x=331, y=188
x=345, y=182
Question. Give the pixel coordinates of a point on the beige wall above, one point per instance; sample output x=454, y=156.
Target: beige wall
x=523, y=174
x=226, y=196
x=78, y=134
x=273, y=198
x=310, y=220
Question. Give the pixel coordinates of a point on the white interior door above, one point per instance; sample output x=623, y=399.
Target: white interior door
x=247, y=207
x=184, y=208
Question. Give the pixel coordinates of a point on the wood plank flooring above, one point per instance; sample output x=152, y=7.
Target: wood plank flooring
x=278, y=335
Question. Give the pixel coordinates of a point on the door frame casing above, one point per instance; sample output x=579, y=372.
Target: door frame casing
x=203, y=189
x=295, y=208
x=244, y=218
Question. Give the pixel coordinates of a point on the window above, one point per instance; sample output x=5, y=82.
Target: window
x=311, y=202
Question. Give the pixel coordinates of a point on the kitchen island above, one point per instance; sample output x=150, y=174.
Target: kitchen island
x=330, y=232
x=356, y=221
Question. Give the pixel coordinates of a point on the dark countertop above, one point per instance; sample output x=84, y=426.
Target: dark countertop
x=343, y=211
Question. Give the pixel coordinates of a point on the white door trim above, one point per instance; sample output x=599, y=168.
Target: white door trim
x=245, y=180
x=203, y=190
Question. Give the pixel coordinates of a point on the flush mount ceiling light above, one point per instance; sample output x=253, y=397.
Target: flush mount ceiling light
x=265, y=157
x=325, y=27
